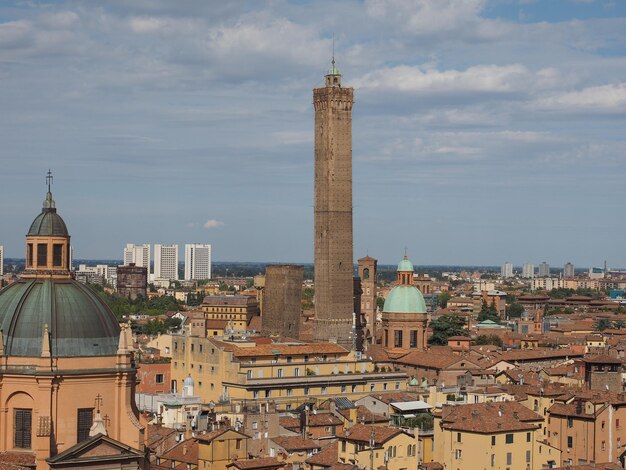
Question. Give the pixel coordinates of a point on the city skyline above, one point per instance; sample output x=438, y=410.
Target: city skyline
x=476, y=115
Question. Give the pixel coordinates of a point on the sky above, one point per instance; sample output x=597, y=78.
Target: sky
x=483, y=131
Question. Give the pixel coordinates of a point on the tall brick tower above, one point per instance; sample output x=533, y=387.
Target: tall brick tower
x=333, y=211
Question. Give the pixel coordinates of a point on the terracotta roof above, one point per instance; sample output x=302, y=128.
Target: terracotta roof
x=294, y=443
x=17, y=460
x=363, y=433
x=488, y=418
x=185, y=452
x=290, y=423
x=432, y=466
x=210, y=436
x=157, y=433
x=537, y=354
x=325, y=457
x=324, y=419
x=392, y=397
x=365, y=416
x=268, y=462
x=601, y=359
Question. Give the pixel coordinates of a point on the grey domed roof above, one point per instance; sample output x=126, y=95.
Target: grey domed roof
x=48, y=223
x=79, y=322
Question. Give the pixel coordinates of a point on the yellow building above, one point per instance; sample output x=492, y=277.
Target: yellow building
x=391, y=448
x=218, y=449
x=238, y=370
x=488, y=436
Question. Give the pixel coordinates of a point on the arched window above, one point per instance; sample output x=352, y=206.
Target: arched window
x=366, y=273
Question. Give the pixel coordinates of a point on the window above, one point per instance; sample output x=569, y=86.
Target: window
x=458, y=454
x=42, y=254
x=323, y=390
x=238, y=444
x=603, y=445
x=343, y=446
x=255, y=394
x=570, y=441
x=493, y=460
x=413, y=338
x=159, y=378
x=289, y=392
x=570, y=422
x=527, y=456
x=509, y=458
x=493, y=440
x=85, y=420
x=528, y=438
x=23, y=425
x=296, y=372
x=397, y=338
x=29, y=255
x=509, y=439
x=279, y=373
x=458, y=437
x=57, y=255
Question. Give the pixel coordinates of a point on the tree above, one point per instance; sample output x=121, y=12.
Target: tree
x=443, y=298
x=446, y=326
x=603, y=324
x=488, y=313
x=380, y=302
x=489, y=339
x=515, y=310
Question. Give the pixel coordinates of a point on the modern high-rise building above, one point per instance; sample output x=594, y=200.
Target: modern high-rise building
x=166, y=261
x=197, y=261
x=334, y=276
x=1, y=260
x=528, y=270
x=506, y=270
x=568, y=270
x=544, y=270
x=139, y=255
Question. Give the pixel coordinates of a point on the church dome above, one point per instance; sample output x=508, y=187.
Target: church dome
x=48, y=223
x=405, y=265
x=404, y=299
x=78, y=321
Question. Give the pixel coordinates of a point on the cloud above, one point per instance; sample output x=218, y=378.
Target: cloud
x=605, y=98
x=479, y=78
x=213, y=223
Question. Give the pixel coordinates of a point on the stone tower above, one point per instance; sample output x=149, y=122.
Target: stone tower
x=333, y=211
x=282, y=305
x=367, y=273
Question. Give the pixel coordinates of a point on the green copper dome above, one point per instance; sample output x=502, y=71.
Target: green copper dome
x=405, y=265
x=79, y=322
x=404, y=299
x=48, y=223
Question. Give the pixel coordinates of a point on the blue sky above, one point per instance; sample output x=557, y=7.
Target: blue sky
x=484, y=131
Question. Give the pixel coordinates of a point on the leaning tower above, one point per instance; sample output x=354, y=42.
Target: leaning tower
x=333, y=211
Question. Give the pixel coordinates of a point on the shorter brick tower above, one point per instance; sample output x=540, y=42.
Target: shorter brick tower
x=367, y=273
x=282, y=305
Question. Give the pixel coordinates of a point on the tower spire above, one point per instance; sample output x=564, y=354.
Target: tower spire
x=49, y=179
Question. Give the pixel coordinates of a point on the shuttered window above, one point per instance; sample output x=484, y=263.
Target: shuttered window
x=23, y=428
x=85, y=420
x=57, y=255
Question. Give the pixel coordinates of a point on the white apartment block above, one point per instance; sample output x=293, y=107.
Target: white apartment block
x=197, y=261
x=1, y=260
x=544, y=270
x=166, y=261
x=528, y=271
x=507, y=270
x=137, y=254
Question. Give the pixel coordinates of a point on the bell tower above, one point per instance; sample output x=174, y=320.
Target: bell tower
x=48, y=242
x=334, y=274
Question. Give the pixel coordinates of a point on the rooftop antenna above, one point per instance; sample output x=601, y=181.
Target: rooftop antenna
x=49, y=179
x=333, y=50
